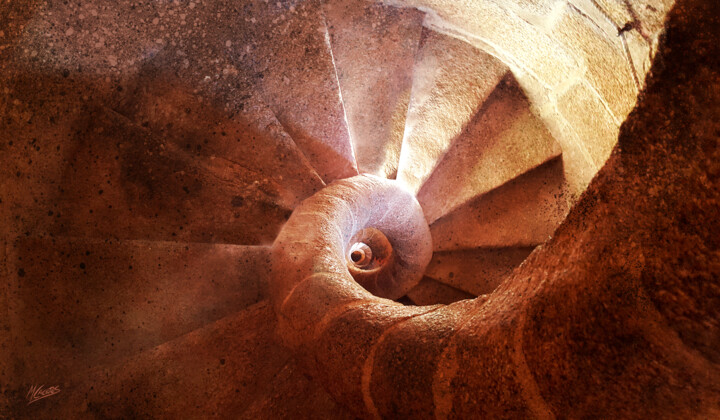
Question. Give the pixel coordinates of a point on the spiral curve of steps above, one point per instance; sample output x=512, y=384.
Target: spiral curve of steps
x=176, y=173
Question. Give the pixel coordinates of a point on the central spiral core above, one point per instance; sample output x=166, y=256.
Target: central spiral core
x=370, y=257
x=338, y=263
x=368, y=230
x=359, y=256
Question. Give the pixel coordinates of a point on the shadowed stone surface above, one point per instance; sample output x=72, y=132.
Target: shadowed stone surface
x=66, y=67
x=207, y=373
x=293, y=395
x=616, y=316
x=123, y=182
x=80, y=303
x=432, y=292
x=477, y=271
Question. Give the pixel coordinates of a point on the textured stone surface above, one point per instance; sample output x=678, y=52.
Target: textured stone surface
x=78, y=303
x=374, y=48
x=360, y=329
x=318, y=236
x=432, y=292
x=650, y=15
x=641, y=53
x=566, y=54
x=616, y=317
x=593, y=123
x=287, y=45
x=249, y=138
x=502, y=141
x=495, y=25
x=294, y=395
x=121, y=181
x=220, y=48
x=401, y=365
x=522, y=212
x=607, y=65
x=220, y=369
x=451, y=81
x=477, y=271
x=58, y=79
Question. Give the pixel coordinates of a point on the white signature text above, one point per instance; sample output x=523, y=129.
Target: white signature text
x=39, y=392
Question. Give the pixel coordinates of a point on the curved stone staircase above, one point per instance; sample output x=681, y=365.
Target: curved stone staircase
x=155, y=150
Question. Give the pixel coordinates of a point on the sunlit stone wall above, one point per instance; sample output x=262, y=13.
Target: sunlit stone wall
x=582, y=62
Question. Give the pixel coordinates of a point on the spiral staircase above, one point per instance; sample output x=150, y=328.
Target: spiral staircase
x=155, y=151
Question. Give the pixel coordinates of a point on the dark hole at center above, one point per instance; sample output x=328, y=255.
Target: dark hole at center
x=356, y=256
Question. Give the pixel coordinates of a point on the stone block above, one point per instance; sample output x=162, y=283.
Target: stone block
x=592, y=122
x=608, y=67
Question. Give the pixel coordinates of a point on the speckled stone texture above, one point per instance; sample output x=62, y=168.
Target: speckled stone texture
x=451, y=81
x=618, y=316
x=374, y=48
x=503, y=140
x=94, y=103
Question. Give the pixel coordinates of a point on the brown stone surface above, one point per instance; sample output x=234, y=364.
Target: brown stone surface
x=57, y=81
x=344, y=349
x=287, y=45
x=451, y=81
x=502, y=141
x=483, y=355
x=374, y=48
x=80, y=303
x=221, y=46
x=522, y=212
x=121, y=181
x=433, y=292
x=248, y=139
x=408, y=369
x=607, y=66
x=615, y=317
x=216, y=371
x=477, y=271
x=650, y=15
x=292, y=395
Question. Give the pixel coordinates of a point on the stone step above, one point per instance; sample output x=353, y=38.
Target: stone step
x=433, y=292
x=476, y=271
x=78, y=303
x=96, y=60
x=215, y=371
x=451, y=81
x=521, y=213
x=247, y=134
x=222, y=49
x=502, y=141
x=123, y=182
x=287, y=47
x=374, y=48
